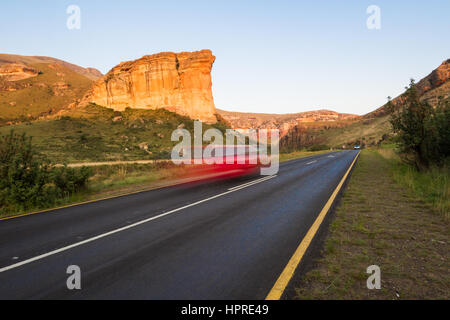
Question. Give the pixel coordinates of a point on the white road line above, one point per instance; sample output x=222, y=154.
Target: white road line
x=103, y=235
x=312, y=162
x=252, y=182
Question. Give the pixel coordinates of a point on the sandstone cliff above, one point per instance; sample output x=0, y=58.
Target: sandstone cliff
x=179, y=82
x=436, y=78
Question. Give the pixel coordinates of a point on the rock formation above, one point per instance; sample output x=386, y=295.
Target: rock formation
x=16, y=72
x=93, y=73
x=179, y=82
x=437, y=77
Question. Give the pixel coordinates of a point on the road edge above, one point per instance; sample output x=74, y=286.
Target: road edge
x=296, y=259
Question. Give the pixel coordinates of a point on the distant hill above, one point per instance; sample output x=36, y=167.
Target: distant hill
x=31, y=87
x=90, y=73
x=284, y=122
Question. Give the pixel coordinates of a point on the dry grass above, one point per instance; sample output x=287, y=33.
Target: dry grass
x=379, y=222
x=388, y=153
x=431, y=186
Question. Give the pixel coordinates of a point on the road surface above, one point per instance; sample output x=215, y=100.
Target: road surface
x=214, y=240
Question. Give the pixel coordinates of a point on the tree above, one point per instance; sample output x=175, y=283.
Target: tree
x=422, y=131
x=438, y=132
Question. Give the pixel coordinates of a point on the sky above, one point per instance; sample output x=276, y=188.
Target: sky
x=271, y=56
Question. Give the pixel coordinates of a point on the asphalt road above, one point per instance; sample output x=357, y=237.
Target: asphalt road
x=202, y=241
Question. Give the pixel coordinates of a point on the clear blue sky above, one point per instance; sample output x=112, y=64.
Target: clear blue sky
x=272, y=56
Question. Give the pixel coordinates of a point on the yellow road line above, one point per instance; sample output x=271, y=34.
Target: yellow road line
x=280, y=285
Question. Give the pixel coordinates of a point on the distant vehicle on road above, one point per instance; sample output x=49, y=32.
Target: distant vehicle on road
x=357, y=147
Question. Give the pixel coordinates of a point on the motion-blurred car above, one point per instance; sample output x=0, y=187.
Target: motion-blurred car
x=223, y=162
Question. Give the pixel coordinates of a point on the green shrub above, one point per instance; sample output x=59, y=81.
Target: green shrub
x=28, y=180
x=70, y=180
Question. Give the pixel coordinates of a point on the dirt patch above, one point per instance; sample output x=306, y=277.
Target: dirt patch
x=380, y=223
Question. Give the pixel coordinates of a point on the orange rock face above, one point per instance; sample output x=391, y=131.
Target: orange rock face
x=435, y=78
x=179, y=82
x=15, y=72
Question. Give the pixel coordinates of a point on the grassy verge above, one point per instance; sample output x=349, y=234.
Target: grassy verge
x=431, y=186
x=380, y=222
x=131, y=177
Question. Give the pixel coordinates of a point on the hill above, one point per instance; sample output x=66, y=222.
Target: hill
x=94, y=133
x=284, y=122
x=90, y=73
x=32, y=87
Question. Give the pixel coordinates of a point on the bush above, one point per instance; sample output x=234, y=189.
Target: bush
x=70, y=180
x=423, y=133
x=28, y=180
